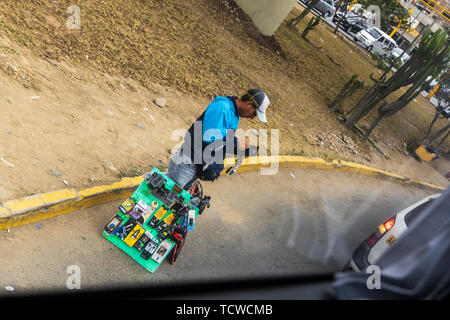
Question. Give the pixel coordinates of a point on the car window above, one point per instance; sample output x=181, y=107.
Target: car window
x=388, y=43
x=415, y=213
x=348, y=140
x=374, y=33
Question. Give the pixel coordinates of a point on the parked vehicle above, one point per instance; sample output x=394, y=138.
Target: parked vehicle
x=386, y=234
x=326, y=7
x=375, y=40
x=446, y=112
x=351, y=22
x=432, y=84
x=397, y=53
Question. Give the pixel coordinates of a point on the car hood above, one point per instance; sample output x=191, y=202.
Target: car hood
x=397, y=51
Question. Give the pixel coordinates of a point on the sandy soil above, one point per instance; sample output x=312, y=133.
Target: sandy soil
x=75, y=114
x=80, y=131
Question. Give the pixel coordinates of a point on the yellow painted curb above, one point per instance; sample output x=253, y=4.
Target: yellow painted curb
x=42, y=206
x=18, y=212
x=264, y=163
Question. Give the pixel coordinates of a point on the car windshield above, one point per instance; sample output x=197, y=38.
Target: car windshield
x=282, y=142
x=374, y=33
x=392, y=45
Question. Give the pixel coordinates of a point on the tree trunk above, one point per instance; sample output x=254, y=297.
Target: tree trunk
x=443, y=139
x=342, y=92
x=375, y=123
x=294, y=21
x=388, y=110
x=338, y=22
x=355, y=86
x=430, y=59
x=364, y=106
x=427, y=136
x=439, y=133
x=311, y=24
x=381, y=90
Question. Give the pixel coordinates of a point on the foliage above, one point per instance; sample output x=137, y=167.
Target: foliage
x=347, y=91
x=311, y=24
x=294, y=21
x=442, y=94
x=384, y=62
x=430, y=59
x=392, y=12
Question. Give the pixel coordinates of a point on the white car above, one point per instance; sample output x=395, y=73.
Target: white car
x=433, y=83
x=377, y=41
x=387, y=233
x=326, y=7
x=397, y=53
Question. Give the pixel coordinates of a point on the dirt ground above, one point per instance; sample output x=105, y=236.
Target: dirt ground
x=78, y=106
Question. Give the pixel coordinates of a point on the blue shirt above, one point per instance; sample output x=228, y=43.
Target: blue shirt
x=220, y=116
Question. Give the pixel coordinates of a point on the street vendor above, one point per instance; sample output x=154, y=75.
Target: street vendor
x=212, y=135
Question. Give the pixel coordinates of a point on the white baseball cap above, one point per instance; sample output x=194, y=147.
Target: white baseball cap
x=260, y=101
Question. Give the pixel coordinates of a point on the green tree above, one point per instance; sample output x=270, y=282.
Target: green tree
x=294, y=21
x=342, y=8
x=430, y=59
x=443, y=102
x=392, y=12
x=311, y=25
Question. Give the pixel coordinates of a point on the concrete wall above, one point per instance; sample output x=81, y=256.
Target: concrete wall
x=267, y=15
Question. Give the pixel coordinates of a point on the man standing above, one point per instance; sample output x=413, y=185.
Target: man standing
x=212, y=135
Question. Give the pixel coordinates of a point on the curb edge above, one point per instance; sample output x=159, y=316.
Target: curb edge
x=26, y=210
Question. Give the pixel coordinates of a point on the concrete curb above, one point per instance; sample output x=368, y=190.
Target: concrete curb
x=26, y=210
x=42, y=206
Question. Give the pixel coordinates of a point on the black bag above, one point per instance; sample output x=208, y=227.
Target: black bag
x=212, y=166
x=211, y=173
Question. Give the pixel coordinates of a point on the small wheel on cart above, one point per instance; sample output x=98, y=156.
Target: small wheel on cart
x=196, y=190
x=204, y=202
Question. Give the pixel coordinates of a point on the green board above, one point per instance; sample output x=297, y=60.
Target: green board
x=143, y=193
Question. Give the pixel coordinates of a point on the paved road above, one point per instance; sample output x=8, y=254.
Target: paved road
x=297, y=221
